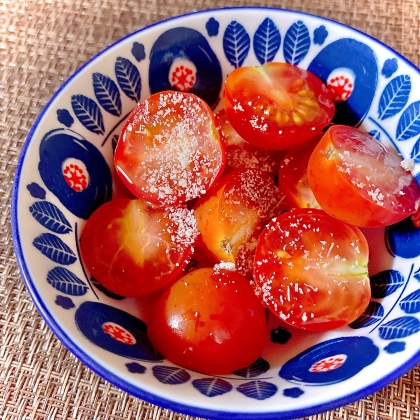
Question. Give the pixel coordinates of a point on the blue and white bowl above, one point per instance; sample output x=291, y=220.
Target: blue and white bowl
x=65, y=172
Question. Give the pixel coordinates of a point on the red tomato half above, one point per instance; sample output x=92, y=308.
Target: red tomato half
x=170, y=150
x=231, y=216
x=133, y=248
x=209, y=321
x=357, y=179
x=310, y=270
x=241, y=154
x=277, y=105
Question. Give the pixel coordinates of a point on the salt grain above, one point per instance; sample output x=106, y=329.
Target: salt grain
x=408, y=165
x=225, y=265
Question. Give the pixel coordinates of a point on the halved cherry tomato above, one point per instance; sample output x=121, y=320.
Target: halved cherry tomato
x=231, y=216
x=133, y=248
x=310, y=270
x=293, y=176
x=357, y=179
x=241, y=154
x=277, y=105
x=209, y=321
x=170, y=150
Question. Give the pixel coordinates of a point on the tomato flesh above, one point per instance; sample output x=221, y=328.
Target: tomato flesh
x=357, y=179
x=310, y=270
x=276, y=105
x=233, y=214
x=133, y=248
x=169, y=150
x=209, y=321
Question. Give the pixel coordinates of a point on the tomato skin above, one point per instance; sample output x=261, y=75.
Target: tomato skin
x=169, y=150
x=231, y=216
x=277, y=105
x=310, y=270
x=209, y=321
x=357, y=179
x=293, y=176
x=133, y=248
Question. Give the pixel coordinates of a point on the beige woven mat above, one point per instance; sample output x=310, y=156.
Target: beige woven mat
x=42, y=42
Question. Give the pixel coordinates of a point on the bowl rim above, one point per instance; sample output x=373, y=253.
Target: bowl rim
x=90, y=362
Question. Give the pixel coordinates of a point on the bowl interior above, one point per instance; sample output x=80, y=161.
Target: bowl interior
x=65, y=172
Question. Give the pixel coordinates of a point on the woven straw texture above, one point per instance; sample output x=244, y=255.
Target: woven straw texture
x=42, y=42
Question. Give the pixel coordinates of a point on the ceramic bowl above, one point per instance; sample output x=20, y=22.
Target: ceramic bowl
x=65, y=172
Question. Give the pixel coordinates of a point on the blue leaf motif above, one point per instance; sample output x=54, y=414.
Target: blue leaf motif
x=54, y=248
x=385, y=283
x=411, y=303
x=259, y=390
x=296, y=43
x=50, y=216
x=409, y=123
x=107, y=93
x=212, y=387
x=266, y=41
x=171, y=375
x=88, y=113
x=372, y=314
x=259, y=367
x=66, y=282
x=415, y=152
x=128, y=77
x=399, y=328
x=416, y=274
x=236, y=43
x=375, y=134
x=394, y=97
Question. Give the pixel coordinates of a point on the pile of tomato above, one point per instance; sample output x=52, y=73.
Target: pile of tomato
x=256, y=207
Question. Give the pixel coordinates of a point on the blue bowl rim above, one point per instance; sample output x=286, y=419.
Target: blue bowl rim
x=109, y=375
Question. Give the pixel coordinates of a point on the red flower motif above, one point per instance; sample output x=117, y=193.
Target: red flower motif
x=118, y=333
x=74, y=177
x=182, y=78
x=327, y=364
x=340, y=88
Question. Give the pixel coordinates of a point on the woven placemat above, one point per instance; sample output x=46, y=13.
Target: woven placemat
x=42, y=42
